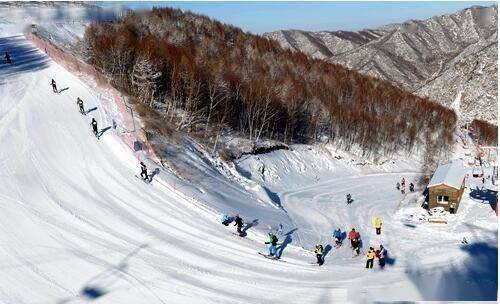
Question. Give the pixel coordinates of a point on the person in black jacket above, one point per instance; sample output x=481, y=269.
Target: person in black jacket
x=94, y=127
x=7, y=58
x=54, y=86
x=238, y=221
x=144, y=171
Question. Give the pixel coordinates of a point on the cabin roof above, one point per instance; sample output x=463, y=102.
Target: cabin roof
x=450, y=174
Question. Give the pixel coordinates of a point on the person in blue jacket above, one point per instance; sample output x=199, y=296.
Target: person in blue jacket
x=337, y=236
x=226, y=220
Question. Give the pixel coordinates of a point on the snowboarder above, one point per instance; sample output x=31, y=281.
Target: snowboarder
x=319, y=254
x=79, y=102
x=370, y=257
x=238, y=221
x=54, y=86
x=7, y=58
x=349, y=199
x=337, y=236
x=144, y=172
x=378, y=225
x=412, y=187
x=397, y=186
x=382, y=255
x=273, y=241
x=226, y=220
x=94, y=128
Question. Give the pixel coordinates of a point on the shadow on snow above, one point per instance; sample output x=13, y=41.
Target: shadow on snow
x=25, y=56
x=475, y=279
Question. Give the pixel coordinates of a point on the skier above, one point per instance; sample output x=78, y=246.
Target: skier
x=273, y=241
x=403, y=182
x=94, y=128
x=378, y=225
x=369, y=258
x=279, y=231
x=144, y=171
x=239, y=223
x=79, y=102
x=397, y=186
x=54, y=86
x=348, y=197
x=412, y=187
x=226, y=220
x=356, y=243
x=319, y=254
x=352, y=237
x=7, y=58
x=337, y=236
x=382, y=256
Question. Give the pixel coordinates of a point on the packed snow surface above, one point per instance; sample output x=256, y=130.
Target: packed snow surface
x=77, y=225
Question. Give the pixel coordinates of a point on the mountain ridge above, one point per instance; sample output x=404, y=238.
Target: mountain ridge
x=432, y=58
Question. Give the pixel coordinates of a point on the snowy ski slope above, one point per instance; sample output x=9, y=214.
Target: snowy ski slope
x=78, y=227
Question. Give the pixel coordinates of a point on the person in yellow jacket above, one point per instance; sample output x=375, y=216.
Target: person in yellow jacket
x=370, y=257
x=319, y=254
x=378, y=225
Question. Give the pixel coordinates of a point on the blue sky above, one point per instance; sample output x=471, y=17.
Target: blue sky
x=259, y=17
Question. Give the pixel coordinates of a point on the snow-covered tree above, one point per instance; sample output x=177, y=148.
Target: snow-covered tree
x=145, y=79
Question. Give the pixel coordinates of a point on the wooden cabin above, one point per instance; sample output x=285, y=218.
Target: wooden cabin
x=447, y=186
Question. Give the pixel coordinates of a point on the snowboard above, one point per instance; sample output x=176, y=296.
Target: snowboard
x=142, y=179
x=270, y=257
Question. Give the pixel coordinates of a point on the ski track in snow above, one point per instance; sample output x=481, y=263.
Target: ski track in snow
x=74, y=219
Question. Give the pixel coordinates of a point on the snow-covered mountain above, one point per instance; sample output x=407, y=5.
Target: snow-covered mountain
x=441, y=58
x=15, y=16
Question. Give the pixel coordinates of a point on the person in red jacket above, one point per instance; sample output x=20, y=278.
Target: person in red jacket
x=352, y=237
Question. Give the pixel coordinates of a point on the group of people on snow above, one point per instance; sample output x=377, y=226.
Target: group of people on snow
x=402, y=187
x=380, y=254
x=79, y=102
x=338, y=236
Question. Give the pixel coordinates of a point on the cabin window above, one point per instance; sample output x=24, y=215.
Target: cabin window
x=442, y=199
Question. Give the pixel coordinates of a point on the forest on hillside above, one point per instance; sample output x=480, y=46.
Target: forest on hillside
x=484, y=132
x=204, y=77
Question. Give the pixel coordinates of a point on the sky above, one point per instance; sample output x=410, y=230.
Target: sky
x=260, y=17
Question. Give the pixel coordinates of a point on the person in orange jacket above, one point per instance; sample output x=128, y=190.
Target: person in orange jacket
x=378, y=225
